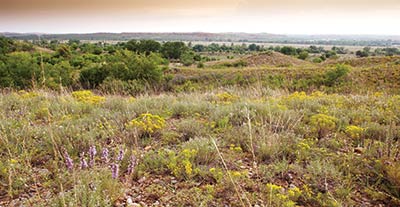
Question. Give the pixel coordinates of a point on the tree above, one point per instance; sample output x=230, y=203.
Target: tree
x=330, y=54
x=63, y=51
x=199, y=48
x=360, y=53
x=6, y=45
x=254, y=47
x=148, y=46
x=173, y=50
x=336, y=75
x=93, y=76
x=132, y=45
x=187, y=58
x=303, y=55
x=19, y=70
x=288, y=50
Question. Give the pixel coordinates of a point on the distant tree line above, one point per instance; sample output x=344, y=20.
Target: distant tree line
x=132, y=66
x=367, y=51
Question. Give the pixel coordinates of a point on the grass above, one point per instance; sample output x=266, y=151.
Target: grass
x=270, y=148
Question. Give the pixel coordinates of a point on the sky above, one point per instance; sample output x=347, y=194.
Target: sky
x=252, y=16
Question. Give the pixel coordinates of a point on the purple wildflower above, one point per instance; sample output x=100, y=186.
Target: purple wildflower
x=104, y=155
x=132, y=164
x=68, y=161
x=120, y=154
x=92, y=154
x=84, y=163
x=114, y=170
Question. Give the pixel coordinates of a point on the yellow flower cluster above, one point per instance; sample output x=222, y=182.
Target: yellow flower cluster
x=280, y=197
x=354, y=132
x=323, y=122
x=26, y=95
x=87, y=97
x=235, y=148
x=181, y=164
x=148, y=123
x=216, y=173
x=226, y=98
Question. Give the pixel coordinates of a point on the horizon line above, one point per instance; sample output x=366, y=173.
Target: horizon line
x=199, y=32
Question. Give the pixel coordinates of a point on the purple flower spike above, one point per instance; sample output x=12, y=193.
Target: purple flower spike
x=68, y=161
x=92, y=154
x=84, y=163
x=120, y=154
x=132, y=164
x=114, y=170
x=104, y=155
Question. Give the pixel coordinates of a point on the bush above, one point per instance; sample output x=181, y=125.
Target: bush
x=322, y=124
x=303, y=55
x=19, y=70
x=335, y=76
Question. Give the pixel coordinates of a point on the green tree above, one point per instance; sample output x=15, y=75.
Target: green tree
x=287, y=50
x=187, y=58
x=6, y=45
x=19, y=70
x=173, y=50
x=148, y=46
x=303, y=55
x=336, y=75
x=63, y=51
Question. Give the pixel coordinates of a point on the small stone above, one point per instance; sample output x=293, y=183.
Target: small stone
x=142, y=204
x=358, y=150
x=141, y=180
x=129, y=201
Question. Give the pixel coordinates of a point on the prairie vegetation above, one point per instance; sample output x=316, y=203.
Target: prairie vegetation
x=125, y=125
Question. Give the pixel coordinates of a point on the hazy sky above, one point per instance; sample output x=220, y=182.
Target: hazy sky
x=272, y=16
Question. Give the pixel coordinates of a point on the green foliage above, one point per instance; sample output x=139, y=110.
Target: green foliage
x=317, y=60
x=6, y=45
x=303, y=55
x=63, y=51
x=173, y=50
x=335, y=76
x=123, y=65
x=93, y=76
x=143, y=46
x=322, y=124
x=187, y=58
x=19, y=70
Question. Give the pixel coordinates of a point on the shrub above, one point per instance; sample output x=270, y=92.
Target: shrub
x=87, y=97
x=335, y=76
x=277, y=196
x=206, y=152
x=322, y=124
x=148, y=123
x=181, y=164
x=226, y=98
x=303, y=55
x=354, y=132
x=317, y=60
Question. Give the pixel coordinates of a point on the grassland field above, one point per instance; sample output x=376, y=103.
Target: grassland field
x=266, y=135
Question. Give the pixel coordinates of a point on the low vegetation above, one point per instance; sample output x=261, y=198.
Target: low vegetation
x=127, y=128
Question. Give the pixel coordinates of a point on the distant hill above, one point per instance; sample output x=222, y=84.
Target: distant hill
x=195, y=36
x=359, y=40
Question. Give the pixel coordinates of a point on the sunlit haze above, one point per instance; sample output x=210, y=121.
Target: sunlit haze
x=272, y=16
